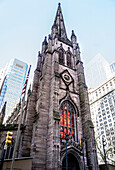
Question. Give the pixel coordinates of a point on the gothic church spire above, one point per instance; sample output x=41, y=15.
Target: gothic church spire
x=59, y=24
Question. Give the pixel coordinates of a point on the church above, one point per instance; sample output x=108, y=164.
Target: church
x=58, y=132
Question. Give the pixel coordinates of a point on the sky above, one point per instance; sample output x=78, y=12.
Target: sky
x=25, y=23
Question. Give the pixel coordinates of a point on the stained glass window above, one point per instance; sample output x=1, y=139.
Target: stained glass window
x=61, y=56
x=67, y=114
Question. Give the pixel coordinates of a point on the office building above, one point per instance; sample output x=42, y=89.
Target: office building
x=13, y=76
x=97, y=71
x=102, y=106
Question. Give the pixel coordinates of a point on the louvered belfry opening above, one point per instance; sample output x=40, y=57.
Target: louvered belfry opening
x=61, y=56
x=69, y=63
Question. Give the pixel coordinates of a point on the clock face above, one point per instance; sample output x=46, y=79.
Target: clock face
x=66, y=77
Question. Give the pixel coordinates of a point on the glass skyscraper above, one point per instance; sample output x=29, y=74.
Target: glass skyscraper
x=97, y=71
x=112, y=67
x=14, y=77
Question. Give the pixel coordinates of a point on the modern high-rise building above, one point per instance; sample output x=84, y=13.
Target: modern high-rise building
x=13, y=76
x=102, y=106
x=97, y=71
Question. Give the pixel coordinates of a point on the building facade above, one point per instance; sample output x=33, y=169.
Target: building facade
x=102, y=106
x=13, y=77
x=58, y=108
x=58, y=131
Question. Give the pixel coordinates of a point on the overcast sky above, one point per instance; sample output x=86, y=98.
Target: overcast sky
x=25, y=23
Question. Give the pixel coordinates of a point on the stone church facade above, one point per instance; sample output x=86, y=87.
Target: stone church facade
x=57, y=117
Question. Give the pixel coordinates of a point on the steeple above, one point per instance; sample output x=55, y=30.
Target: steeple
x=59, y=24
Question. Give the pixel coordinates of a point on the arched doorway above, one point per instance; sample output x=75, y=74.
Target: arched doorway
x=72, y=163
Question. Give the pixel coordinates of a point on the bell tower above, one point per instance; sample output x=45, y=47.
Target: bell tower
x=58, y=122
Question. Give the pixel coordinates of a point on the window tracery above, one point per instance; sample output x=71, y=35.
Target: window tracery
x=67, y=114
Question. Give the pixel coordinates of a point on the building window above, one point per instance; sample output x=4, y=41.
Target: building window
x=96, y=93
x=110, y=83
x=112, y=133
x=103, y=88
x=67, y=114
x=113, y=114
x=61, y=56
x=102, y=132
x=111, y=128
x=99, y=90
x=105, y=122
x=69, y=60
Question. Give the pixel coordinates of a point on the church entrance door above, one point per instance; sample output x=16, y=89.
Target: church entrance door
x=72, y=163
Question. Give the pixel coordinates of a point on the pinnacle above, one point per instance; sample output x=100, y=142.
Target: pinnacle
x=59, y=4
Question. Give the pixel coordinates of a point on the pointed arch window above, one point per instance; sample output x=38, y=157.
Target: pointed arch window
x=69, y=60
x=61, y=56
x=67, y=114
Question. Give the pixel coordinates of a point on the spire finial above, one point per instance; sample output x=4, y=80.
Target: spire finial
x=59, y=23
x=59, y=4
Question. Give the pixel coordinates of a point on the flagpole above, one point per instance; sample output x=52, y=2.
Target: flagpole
x=2, y=85
x=19, y=124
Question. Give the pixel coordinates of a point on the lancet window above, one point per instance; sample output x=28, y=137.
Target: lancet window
x=61, y=56
x=67, y=116
x=69, y=60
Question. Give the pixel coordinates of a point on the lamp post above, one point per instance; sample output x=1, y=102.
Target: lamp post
x=104, y=144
